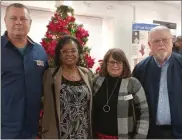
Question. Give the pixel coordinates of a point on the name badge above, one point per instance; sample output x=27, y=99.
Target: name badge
x=128, y=97
x=125, y=98
x=39, y=62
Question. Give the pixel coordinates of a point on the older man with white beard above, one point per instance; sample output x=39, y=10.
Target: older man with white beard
x=161, y=76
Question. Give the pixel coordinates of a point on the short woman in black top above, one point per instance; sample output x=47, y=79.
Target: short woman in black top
x=120, y=109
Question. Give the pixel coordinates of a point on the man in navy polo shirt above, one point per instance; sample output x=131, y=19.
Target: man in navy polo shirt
x=23, y=63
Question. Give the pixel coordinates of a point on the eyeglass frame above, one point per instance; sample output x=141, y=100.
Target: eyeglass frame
x=69, y=51
x=112, y=63
x=164, y=40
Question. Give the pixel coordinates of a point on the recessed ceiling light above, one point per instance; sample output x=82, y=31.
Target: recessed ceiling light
x=87, y=4
x=109, y=6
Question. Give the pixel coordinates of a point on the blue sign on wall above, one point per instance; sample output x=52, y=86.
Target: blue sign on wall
x=143, y=26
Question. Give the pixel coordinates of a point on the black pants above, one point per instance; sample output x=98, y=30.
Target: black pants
x=160, y=132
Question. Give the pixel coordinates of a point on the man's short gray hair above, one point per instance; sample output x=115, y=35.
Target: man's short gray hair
x=160, y=27
x=17, y=5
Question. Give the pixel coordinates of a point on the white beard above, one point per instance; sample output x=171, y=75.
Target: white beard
x=161, y=56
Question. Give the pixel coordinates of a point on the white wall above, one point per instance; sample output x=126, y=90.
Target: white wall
x=149, y=11
x=94, y=26
x=110, y=27
x=124, y=13
x=117, y=23
x=39, y=21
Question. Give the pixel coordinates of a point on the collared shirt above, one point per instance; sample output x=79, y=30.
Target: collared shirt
x=21, y=88
x=163, y=110
x=22, y=50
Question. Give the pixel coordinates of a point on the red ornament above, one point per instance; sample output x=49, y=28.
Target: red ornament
x=98, y=70
x=90, y=61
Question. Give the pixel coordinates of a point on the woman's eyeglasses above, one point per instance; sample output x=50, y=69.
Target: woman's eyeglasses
x=112, y=63
x=72, y=51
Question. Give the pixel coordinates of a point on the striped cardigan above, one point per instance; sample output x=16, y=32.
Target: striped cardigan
x=132, y=114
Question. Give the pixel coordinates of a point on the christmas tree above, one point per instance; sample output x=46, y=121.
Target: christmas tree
x=63, y=23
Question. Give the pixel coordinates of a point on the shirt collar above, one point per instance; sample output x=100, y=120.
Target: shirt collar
x=165, y=62
x=6, y=40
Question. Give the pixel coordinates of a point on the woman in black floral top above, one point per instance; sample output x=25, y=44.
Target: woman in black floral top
x=67, y=94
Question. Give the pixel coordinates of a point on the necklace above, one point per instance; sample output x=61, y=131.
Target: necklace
x=73, y=77
x=106, y=107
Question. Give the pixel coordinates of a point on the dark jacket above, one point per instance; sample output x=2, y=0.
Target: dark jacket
x=21, y=89
x=177, y=49
x=148, y=73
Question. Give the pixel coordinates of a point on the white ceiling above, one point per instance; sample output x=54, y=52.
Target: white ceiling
x=171, y=2
x=174, y=3
x=48, y=5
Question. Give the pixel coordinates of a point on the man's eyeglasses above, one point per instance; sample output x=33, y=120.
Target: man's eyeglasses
x=73, y=51
x=164, y=40
x=112, y=63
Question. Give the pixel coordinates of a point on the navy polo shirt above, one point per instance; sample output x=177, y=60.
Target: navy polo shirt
x=21, y=88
